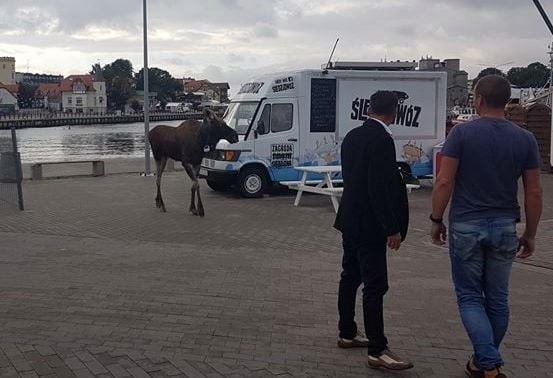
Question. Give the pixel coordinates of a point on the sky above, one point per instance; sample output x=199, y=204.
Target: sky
x=231, y=40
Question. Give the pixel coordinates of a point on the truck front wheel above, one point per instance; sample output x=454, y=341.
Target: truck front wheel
x=252, y=182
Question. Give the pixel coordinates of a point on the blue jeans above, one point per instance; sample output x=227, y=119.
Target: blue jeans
x=482, y=253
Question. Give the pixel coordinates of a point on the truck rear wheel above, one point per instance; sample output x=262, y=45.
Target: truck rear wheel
x=252, y=182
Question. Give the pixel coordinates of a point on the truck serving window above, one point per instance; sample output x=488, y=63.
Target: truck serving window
x=239, y=116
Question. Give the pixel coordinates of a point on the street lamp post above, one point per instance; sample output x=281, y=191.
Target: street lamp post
x=145, y=71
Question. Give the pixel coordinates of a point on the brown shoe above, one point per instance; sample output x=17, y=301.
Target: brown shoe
x=495, y=373
x=388, y=360
x=471, y=370
x=359, y=341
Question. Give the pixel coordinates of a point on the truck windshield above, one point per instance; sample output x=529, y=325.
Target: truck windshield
x=239, y=116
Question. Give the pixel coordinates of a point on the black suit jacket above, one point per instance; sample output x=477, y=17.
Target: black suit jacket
x=374, y=203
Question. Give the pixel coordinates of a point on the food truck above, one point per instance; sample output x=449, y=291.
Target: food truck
x=299, y=118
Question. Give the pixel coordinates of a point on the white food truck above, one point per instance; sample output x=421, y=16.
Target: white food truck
x=299, y=118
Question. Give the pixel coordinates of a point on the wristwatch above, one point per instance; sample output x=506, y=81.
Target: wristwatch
x=436, y=220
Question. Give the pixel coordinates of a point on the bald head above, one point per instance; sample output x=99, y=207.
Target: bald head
x=494, y=90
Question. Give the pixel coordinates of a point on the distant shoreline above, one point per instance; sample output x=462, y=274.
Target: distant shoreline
x=74, y=119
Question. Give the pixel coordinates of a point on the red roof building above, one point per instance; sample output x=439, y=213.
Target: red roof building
x=12, y=88
x=75, y=94
x=212, y=91
x=8, y=98
x=68, y=84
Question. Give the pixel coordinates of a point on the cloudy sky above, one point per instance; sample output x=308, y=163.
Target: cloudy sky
x=229, y=40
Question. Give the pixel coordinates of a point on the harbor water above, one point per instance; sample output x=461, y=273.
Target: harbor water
x=81, y=142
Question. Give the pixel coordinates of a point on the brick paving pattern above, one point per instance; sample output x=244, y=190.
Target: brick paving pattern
x=96, y=282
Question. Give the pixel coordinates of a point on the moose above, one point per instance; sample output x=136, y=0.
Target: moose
x=188, y=144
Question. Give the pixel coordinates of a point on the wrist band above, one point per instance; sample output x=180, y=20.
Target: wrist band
x=436, y=220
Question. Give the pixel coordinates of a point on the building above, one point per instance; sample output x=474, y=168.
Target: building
x=193, y=98
x=136, y=102
x=177, y=107
x=37, y=79
x=203, y=86
x=8, y=98
x=7, y=70
x=457, y=79
x=74, y=94
x=83, y=94
x=186, y=80
x=222, y=91
x=212, y=91
x=48, y=96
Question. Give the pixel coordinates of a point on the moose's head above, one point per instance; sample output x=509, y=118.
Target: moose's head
x=217, y=128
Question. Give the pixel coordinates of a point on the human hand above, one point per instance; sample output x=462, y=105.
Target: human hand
x=526, y=247
x=394, y=241
x=438, y=233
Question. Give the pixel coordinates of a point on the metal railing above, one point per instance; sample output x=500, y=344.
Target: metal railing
x=11, y=177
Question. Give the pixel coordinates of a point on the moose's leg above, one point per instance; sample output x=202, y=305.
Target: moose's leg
x=200, y=204
x=189, y=168
x=160, y=164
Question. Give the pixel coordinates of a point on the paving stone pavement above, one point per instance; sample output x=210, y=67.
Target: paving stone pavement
x=96, y=282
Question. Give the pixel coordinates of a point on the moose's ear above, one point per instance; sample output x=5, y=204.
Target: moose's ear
x=209, y=114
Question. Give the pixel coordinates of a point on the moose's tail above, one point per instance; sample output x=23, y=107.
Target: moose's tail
x=154, y=138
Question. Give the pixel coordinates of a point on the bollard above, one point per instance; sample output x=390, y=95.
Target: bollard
x=98, y=168
x=36, y=171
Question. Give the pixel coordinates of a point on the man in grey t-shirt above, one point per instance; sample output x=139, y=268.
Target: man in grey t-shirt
x=482, y=163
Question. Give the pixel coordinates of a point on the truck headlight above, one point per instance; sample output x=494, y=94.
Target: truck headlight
x=228, y=155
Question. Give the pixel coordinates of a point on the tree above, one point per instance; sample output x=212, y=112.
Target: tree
x=535, y=75
x=25, y=95
x=118, y=76
x=159, y=81
x=486, y=72
x=122, y=67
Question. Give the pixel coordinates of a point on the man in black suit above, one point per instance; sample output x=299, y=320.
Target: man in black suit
x=373, y=215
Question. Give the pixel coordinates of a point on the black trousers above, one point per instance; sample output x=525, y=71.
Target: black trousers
x=364, y=262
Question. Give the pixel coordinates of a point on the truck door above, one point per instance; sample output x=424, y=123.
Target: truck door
x=277, y=138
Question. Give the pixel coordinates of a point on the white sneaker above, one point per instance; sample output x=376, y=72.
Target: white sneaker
x=359, y=341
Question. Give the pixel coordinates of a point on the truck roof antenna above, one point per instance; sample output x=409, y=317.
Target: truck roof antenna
x=329, y=63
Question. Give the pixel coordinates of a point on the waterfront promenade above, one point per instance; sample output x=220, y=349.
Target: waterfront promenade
x=95, y=281
x=75, y=119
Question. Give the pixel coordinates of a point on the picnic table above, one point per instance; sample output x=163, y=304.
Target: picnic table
x=326, y=186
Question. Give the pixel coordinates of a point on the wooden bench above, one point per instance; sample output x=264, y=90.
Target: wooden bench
x=97, y=167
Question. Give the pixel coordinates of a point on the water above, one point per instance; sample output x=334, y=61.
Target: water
x=82, y=142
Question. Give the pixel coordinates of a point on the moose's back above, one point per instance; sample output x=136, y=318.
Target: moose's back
x=171, y=142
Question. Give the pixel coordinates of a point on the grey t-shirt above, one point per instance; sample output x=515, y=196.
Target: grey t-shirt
x=492, y=154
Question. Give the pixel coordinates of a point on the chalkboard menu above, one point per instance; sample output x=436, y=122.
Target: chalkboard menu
x=323, y=105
